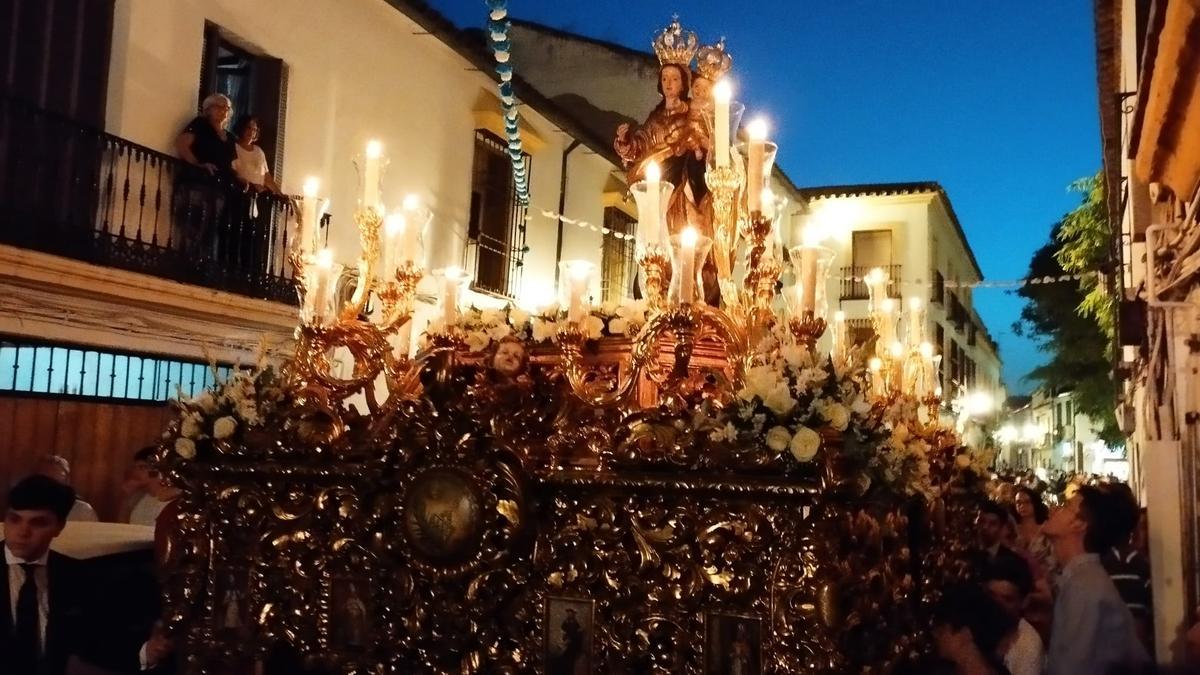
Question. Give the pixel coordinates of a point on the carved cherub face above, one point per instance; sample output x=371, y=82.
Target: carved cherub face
x=509, y=359
x=701, y=89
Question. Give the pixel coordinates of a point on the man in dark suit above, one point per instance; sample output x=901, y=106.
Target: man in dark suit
x=42, y=590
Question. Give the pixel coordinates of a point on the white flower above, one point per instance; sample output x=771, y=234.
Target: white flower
x=608, y=308
x=551, y=310
x=206, y=402
x=190, y=428
x=837, y=415
x=518, y=317
x=593, y=327
x=477, y=341
x=725, y=433
x=491, y=316
x=618, y=326
x=248, y=411
x=185, y=448
x=805, y=444
x=498, y=331
x=780, y=400
x=861, y=406
x=900, y=433
x=224, y=427
x=795, y=355
x=543, y=330
x=778, y=439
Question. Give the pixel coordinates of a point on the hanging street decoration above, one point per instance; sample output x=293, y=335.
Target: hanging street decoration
x=497, y=30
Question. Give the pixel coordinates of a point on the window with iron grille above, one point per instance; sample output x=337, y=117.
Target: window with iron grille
x=939, y=288
x=60, y=370
x=496, y=230
x=617, y=257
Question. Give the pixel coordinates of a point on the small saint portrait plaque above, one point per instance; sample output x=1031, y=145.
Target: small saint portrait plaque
x=349, y=615
x=569, y=636
x=732, y=644
x=231, y=599
x=443, y=515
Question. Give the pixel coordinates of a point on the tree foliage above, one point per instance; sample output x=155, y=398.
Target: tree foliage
x=1074, y=321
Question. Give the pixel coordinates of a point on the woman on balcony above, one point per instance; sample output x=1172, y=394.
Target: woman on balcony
x=203, y=188
x=255, y=239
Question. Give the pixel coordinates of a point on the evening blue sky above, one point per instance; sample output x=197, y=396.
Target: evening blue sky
x=994, y=100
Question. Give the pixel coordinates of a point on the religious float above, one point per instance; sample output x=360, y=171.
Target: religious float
x=682, y=483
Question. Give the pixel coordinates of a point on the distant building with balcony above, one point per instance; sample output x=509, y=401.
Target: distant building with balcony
x=118, y=284
x=910, y=231
x=1061, y=438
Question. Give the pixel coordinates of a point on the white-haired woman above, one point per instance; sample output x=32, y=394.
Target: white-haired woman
x=205, y=143
x=205, y=186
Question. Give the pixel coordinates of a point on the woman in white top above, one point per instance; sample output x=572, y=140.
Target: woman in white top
x=251, y=163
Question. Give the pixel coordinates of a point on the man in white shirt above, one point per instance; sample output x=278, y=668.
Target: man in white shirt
x=58, y=468
x=39, y=630
x=1009, y=583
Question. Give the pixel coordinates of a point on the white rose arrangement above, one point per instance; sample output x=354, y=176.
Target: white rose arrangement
x=231, y=407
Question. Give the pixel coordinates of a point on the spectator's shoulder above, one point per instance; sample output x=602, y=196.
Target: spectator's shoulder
x=193, y=125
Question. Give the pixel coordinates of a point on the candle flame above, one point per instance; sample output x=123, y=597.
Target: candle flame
x=311, y=185
x=454, y=273
x=411, y=202
x=722, y=91
x=757, y=129
x=579, y=270
x=875, y=364
x=811, y=235
x=394, y=224
x=325, y=258
x=689, y=236
x=653, y=172
x=926, y=350
x=897, y=350
x=839, y=316
x=914, y=303
x=374, y=149
x=875, y=276
x=887, y=306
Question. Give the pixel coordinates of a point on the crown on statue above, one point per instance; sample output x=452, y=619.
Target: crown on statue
x=675, y=46
x=712, y=61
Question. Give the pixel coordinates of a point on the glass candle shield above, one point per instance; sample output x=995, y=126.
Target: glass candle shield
x=370, y=167
x=759, y=177
x=452, y=281
x=736, y=110
x=810, y=265
x=574, y=288
x=652, y=212
x=688, y=256
x=321, y=277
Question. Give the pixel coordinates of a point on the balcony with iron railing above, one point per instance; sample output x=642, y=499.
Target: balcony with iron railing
x=854, y=288
x=77, y=192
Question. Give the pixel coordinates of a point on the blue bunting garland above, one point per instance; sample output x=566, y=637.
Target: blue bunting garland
x=497, y=30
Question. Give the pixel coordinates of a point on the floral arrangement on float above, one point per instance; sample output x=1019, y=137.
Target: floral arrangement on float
x=481, y=328
x=233, y=411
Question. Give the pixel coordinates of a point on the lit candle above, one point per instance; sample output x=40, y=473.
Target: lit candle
x=687, y=272
x=393, y=236
x=578, y=275
x=323, y=288
x=757, y=131
x=887, y=322
x=916, y=321
x=926, y=372
x=722, y=93
x=410, y=241
x=838, y=336
x=653, y=207
x=808, y=278
x=308, y=214
x=452, y=278
x=370, y=198
x=876, y=367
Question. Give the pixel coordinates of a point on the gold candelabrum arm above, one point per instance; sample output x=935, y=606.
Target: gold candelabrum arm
x=686, y=324
x=368, y=343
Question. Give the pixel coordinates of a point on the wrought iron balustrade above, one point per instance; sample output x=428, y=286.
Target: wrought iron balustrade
x=81, y=193
x=854, y=288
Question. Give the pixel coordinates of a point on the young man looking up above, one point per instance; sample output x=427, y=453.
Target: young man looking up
x=1093, y=630
x=41, y=588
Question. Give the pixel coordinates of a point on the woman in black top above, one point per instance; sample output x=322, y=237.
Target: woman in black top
x=206, y=188
x=205, y=143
